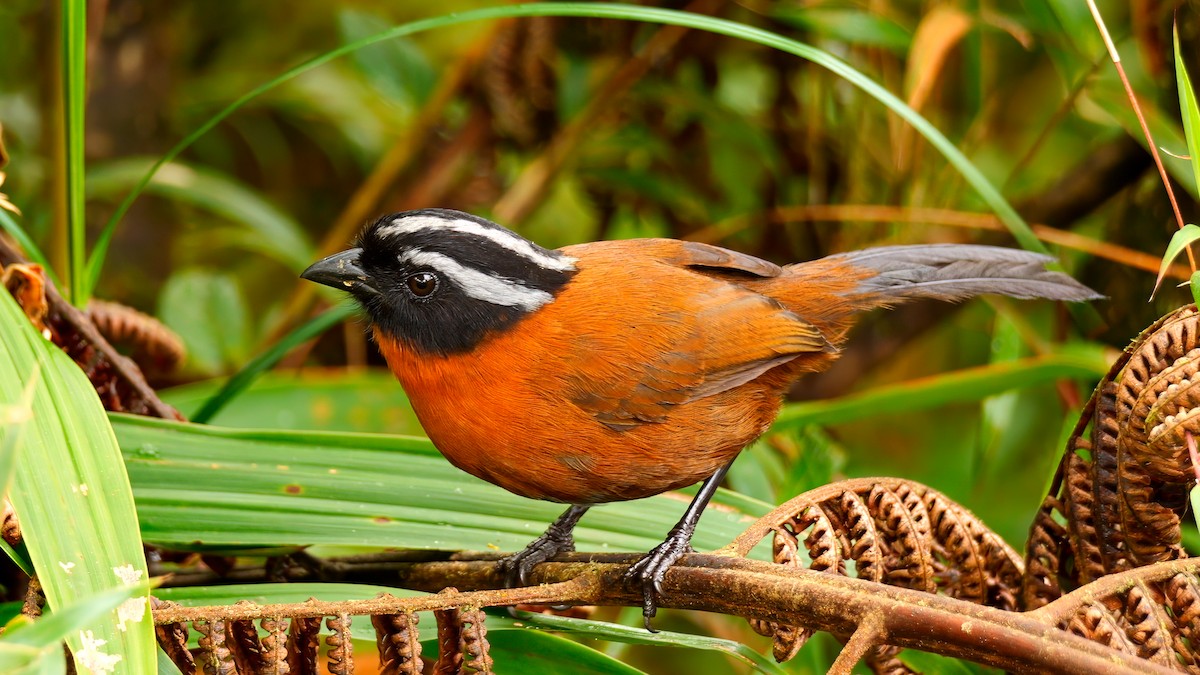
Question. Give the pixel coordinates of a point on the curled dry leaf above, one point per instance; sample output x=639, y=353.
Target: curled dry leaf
x=302, y=643
x=215, y=657
x=398, y=642
x=173, y=638
x=154, y=347
x=895, y=532
x=341, y=645
x=1121, y=488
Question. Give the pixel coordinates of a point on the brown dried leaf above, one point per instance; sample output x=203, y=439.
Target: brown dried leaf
x=153, y=346
x=399, y=644
x=341, y=645
x=475, y=646
x=215, y=656
x=1047, y=542
x=302, y=644
x=275, y=655
x=173, y=638
x=450, y=656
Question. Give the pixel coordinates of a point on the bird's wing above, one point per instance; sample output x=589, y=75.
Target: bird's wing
x=708, y=257
x=689, y=348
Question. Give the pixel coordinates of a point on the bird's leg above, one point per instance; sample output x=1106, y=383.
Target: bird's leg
x=557, y=539
x=650, y=570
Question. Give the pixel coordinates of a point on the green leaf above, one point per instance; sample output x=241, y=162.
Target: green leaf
x=1188, y=109
x=396, y=68
x=265, y=229
x=1179, y=241
x=207, y=310
x=333, y=399
x=972, y=384
x=70, y=490
x=1194, y=496
x=14, y=417
x=198, y=485
x=639, y=636
x=45, y=634
x=74, y=65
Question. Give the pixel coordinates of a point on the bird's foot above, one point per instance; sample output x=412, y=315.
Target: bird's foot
x=650, y=570
x=516, y=568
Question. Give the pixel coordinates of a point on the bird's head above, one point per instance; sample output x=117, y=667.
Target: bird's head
x=442, y=280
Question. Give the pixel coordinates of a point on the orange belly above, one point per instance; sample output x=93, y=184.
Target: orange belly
x=490, y=419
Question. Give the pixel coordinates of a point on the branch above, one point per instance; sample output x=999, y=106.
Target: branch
x=748, y=588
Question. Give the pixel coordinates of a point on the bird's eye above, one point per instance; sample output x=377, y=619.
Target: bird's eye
x=422, y=284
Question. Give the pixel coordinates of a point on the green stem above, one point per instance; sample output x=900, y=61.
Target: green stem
x=74, y=46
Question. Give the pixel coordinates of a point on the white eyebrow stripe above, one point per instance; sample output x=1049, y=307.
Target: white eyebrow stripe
x=504, y=238
x=480, y=285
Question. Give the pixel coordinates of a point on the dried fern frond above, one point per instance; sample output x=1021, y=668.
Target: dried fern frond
x=1122, y=485
x=893, y=531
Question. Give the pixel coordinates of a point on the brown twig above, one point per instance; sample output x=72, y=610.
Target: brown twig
x=66, y=318
x=910, y=618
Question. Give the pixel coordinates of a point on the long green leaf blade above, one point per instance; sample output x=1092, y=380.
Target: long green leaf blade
x=198, y=485
x=72, y=495
x=74, y=45
x=1188, y=108
x=266, y=229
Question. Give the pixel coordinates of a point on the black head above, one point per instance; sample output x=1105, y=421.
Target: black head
x=441, y=280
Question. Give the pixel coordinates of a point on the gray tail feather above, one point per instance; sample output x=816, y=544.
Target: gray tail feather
x=955, y=272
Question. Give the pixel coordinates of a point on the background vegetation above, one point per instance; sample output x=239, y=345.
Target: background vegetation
x=575, y=129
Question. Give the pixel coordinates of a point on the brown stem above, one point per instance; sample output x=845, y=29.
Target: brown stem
x=146, y=400
x=868, y=634
x=753, y=589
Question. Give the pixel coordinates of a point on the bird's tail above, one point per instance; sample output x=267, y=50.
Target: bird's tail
x=954, y=272
x=831, y=291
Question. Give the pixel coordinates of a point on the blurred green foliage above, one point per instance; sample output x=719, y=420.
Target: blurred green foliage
x=710, y=138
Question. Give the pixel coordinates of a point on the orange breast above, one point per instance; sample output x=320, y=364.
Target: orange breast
x=515, y=410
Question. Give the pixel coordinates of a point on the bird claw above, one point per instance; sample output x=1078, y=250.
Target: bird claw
x=650, y=571
x=516, y=568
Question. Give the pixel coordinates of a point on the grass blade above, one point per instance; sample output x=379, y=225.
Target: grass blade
x=71, y=492
x=1188, y=109
x=74, y=46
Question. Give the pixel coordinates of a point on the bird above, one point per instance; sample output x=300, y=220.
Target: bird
x=616, y=370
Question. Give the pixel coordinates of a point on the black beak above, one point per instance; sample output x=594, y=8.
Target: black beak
x=341, y=271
